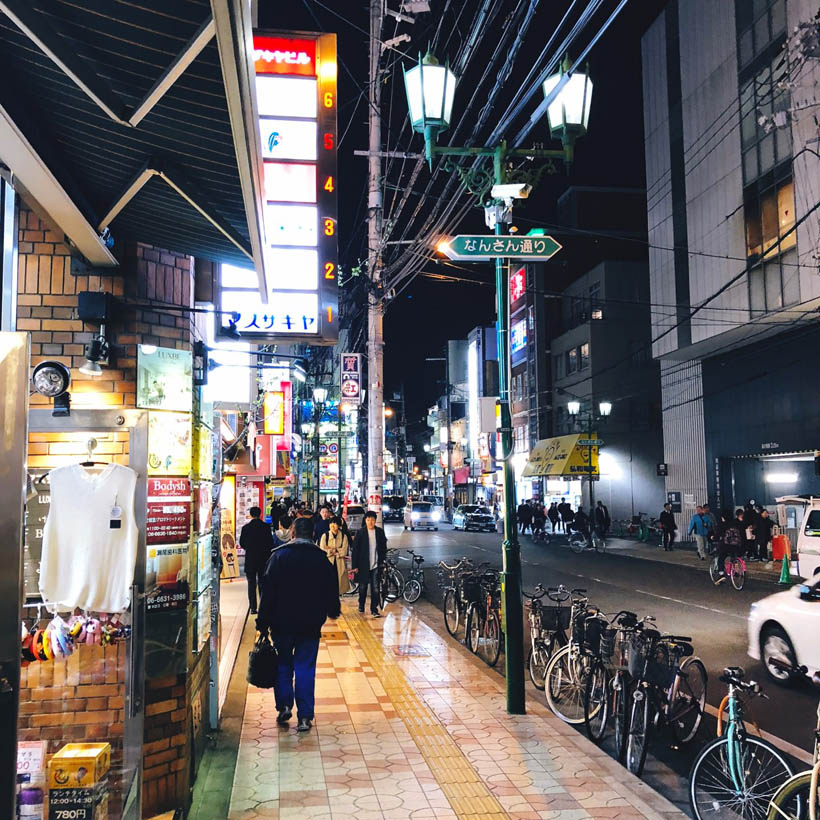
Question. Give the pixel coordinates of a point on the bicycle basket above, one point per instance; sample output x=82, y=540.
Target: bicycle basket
x=661, y=666
x=608, y=640
x=554, y=618
x=471, y=589
x=594, y=627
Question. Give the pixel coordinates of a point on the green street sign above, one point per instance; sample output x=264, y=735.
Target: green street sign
x=464, y=248
x=590, y=442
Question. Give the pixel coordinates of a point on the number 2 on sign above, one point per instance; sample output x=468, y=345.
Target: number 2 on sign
x=329, y=270
x=330, y=227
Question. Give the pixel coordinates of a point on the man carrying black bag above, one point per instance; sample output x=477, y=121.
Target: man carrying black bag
x=300, y=590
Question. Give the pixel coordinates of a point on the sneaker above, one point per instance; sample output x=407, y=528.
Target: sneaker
x=254, y=612
x=376, y=614
x=361, y=609
x=720, y=580
x=304, y=725
x=284, y=716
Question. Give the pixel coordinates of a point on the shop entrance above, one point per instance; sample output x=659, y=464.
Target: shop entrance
x=765, y=477
x=95, y=693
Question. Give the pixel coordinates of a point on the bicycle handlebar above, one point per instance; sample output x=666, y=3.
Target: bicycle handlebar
x=677, y=639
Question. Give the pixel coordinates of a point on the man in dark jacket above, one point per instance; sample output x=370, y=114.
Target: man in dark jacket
x=368, y=552
x=300, y=590
x=321, y=524
x=256, y=539
x=668, y=526
x=763, y=535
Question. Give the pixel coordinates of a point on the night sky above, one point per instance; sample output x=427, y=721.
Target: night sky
x=429, y=311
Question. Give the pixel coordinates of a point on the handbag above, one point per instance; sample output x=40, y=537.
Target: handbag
x=262, y=663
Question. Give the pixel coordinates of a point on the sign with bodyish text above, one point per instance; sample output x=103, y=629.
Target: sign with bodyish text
x=468, y=248
x=168, y=510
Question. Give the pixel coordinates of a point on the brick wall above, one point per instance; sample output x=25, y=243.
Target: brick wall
x=82, y=697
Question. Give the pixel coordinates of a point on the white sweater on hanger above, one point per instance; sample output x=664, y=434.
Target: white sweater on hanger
x=86, y=563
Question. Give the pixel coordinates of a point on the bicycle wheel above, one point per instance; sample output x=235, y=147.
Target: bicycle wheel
x=791, y=800
x=622, y=699
x=639, y=727
x=490, y=646
x=714, y=570
x=737, y=573
x=452, y=613
x=397, y=580
x=473, y=628
x=537, y=661
x=596, y=702
x=412, y=591
x=688, y=699
x=577, y=545
x=713, y=794
x=565, y=685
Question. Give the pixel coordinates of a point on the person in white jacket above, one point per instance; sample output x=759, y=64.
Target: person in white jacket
x=337, y=546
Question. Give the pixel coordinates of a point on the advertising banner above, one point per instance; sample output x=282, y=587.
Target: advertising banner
x=273, y=409
x=164, y=378
x=227, y=526
x=168, y=513
x=351, y=378
x=169, y=443
x=249, y=493
x=203, y=508
x=166, y=577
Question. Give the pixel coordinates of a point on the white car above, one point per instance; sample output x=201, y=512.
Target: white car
x=473, y=517
x=785, y=627
x=420, y=515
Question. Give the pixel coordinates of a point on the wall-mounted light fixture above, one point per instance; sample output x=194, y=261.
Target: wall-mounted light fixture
x=52, y=379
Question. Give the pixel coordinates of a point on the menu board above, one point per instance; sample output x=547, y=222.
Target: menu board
x=248, y=494
x=168, y=518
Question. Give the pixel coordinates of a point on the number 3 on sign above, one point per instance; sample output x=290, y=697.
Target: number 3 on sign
x=330, y=226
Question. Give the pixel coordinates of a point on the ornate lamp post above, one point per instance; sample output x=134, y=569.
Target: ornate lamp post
x=319, y=399
x=589, y=419
x=430, y=89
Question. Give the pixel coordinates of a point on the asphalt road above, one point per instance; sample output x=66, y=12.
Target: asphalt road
x=684, y=601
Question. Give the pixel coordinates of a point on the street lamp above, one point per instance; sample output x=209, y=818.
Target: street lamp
x=591, y=419
x=573, y=407
x=430, y=88
x=605, y=408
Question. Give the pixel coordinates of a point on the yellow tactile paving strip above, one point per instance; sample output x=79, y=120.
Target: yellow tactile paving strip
x=466, y=792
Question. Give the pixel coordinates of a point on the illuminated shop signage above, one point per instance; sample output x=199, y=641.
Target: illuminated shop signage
x=518, y=284
x=518, y=336
x=296, y=102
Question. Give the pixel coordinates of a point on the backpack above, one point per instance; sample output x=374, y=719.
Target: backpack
x=732, y=536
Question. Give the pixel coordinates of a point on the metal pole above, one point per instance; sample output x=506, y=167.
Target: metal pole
x=339, y=451
x=448, y=492
x=375, y=311
x=513, y=614
x=317, y=418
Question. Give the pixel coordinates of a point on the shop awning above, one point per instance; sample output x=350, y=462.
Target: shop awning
x=560, y=457
x=135, y=117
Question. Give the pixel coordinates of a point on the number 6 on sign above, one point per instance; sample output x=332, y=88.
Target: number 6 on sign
x=330, y=226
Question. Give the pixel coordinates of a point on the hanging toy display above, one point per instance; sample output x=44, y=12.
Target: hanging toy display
x=60, y=638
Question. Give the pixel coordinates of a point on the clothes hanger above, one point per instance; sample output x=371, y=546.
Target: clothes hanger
x=91, y=445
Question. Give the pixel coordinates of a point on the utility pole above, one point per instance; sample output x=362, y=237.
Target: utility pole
x=375, y=309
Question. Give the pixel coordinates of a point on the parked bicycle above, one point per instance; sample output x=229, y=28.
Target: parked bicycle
x=670, y=688
x=581, y=542
x=548, y=625
x=799, y=797
x=459, y=591
x=736, y=774
x=734, y=568
x=391, y=581
x=414, y=585
x=566, y=675
x=483, y=628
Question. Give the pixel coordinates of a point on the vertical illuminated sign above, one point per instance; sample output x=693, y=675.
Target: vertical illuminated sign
x=297, y=103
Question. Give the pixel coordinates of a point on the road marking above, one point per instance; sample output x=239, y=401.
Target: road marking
x=784, y=745
x=689, y=603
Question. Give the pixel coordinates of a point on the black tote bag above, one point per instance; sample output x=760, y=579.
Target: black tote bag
x=262, y=663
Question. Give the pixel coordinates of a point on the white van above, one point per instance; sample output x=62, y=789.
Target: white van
x=799, y=517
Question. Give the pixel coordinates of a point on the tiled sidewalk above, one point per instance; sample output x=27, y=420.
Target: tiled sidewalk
x=410, y=725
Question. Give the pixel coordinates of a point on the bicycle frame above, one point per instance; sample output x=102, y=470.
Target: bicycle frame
x=734, y=744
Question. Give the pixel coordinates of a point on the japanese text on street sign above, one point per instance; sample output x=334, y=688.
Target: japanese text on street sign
x=466, y=248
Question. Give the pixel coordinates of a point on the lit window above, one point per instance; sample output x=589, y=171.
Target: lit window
x=597, y=313
x=572, y=361
x=769, y=218
x=583, y=356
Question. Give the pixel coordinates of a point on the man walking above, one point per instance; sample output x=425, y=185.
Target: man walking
x=300, y=591
x=256, y=539
x=322, y=524
x=369, y=551
x=701, y=527
x=763, y=535
x=602, y=519
x=668, y=526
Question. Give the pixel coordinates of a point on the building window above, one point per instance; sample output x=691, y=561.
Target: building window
x=596, y=313
x=769, y=218
x=765, y=133
x=572, y=361
x=583, y=356
x=759, y=22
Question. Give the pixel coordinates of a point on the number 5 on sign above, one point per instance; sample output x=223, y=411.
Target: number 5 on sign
x=330, y=226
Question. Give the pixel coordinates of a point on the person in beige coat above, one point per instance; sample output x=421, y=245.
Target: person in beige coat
x=337, y=545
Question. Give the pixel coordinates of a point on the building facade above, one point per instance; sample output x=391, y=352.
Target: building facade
x=732, y=185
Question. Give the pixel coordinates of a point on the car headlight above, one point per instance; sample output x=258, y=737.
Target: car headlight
x=436, y=516
x=385, y=508
x=415, y=516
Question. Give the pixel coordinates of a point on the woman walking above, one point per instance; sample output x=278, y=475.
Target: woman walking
x=336, y=545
